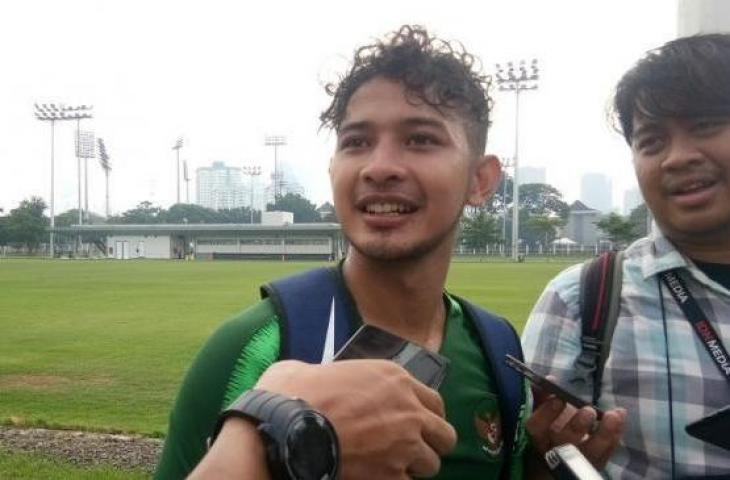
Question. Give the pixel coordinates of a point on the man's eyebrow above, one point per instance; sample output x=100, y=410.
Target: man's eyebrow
x=646, y=127
x=353, y=126
x=407, y=122
x=424, y=122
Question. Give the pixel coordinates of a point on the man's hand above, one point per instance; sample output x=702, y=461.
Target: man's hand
x=390, y=425
x=554, y=423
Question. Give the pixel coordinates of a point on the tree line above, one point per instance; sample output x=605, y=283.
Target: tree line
x=542, y=212
x=26, y=226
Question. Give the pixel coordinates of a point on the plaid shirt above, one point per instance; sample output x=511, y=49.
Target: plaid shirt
x=635, y=375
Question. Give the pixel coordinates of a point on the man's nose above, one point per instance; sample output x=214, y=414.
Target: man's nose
x=684, y=150
x=384, y=165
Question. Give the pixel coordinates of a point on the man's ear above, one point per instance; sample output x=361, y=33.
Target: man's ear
x=485, y=177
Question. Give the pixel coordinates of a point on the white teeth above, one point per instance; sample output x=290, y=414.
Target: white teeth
x=390, y=208
x=694, y=186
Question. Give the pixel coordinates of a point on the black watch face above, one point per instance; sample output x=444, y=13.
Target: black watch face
x=311, y=448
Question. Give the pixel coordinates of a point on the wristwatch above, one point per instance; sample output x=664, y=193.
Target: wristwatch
x=301, y=444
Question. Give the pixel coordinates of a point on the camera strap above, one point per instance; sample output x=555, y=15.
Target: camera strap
x=701, y=324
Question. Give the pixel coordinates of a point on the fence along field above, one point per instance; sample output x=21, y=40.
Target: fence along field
x=103, y=345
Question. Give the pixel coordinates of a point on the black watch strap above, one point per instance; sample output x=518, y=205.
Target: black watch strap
x=260, y=406
x=300, y=442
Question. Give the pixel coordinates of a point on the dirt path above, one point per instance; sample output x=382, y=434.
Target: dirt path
x=84, y=448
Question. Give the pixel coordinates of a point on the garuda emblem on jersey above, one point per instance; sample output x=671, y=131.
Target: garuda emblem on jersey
x=489, y=427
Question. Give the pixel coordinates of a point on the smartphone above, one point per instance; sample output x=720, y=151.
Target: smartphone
x=713, y=428
x=372, y=342
x=566, y=462
x=548, y=386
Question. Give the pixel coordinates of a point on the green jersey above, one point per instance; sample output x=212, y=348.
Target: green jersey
x=244, y=347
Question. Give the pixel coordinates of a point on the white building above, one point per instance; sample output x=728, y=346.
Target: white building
x=220, y=187
x=581, y=226
x=288, y=241
x=595, y=191
x=286, y=186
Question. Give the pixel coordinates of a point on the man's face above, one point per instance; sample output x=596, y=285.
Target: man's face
x=402, y=173
x=683, y=168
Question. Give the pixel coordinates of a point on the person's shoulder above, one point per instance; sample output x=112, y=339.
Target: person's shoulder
x=558, y=302
x=566, y=284
x=639, y=249
x=642, y=259
x=236, y=331
x=252, y=317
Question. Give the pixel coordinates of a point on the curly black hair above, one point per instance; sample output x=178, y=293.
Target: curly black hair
x=687, y=77
x=433, y=71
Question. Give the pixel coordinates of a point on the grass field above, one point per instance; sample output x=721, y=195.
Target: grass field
x=23, y=466
x=102, y=345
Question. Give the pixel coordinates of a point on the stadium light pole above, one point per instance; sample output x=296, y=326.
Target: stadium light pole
x=276, y=141
x=506, y=163
x=517, y=78
x=107, y=167
x=79, y=153
x=85, y=149
x=51, y=112
x=252, y=171
x=186, y=178
x=178, y=145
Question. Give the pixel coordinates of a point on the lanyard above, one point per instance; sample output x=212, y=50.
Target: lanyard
x=700, y=323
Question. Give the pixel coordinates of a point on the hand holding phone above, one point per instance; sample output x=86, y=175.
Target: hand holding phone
x=375, y=343
x=548, y=386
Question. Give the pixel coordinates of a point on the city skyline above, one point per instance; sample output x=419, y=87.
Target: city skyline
x=223, y=93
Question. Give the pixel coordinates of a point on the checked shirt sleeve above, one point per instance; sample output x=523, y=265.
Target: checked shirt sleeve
x=551, y=339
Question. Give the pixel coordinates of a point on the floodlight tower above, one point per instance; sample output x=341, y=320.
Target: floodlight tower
x=51, y=112
x=107, y=167
x=278, y=176
x=506, y=164
x=85, y=148
x=178, y=145
x=517, y=79
x=252, y=171
x=186, y=177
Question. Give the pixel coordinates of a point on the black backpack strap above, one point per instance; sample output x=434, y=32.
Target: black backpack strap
x=304, y=303
x=600, y=299
x=499, y=338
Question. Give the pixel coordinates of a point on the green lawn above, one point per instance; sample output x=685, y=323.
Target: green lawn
x=102, y=345
x=22, y=466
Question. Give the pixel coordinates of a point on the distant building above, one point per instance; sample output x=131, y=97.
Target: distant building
x=277, y=218
x=286, y=186
x=326, y=210
x=220, y=187
x=531, y=175
x=632, y=199
x=282, y=241
x=595, y=190
x=581, y=226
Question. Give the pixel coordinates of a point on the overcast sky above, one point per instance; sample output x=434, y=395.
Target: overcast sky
x=224, y=74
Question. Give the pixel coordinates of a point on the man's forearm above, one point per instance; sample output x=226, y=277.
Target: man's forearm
x=237, y=453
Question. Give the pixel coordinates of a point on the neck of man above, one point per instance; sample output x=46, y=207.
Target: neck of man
x=711, y=248
x=404, y=297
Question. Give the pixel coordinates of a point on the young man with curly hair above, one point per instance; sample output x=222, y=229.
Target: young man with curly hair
x=411, y=120
x=673, y=108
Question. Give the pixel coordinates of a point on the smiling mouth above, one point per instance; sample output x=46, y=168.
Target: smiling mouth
x=693, y=187
x=388, y=209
